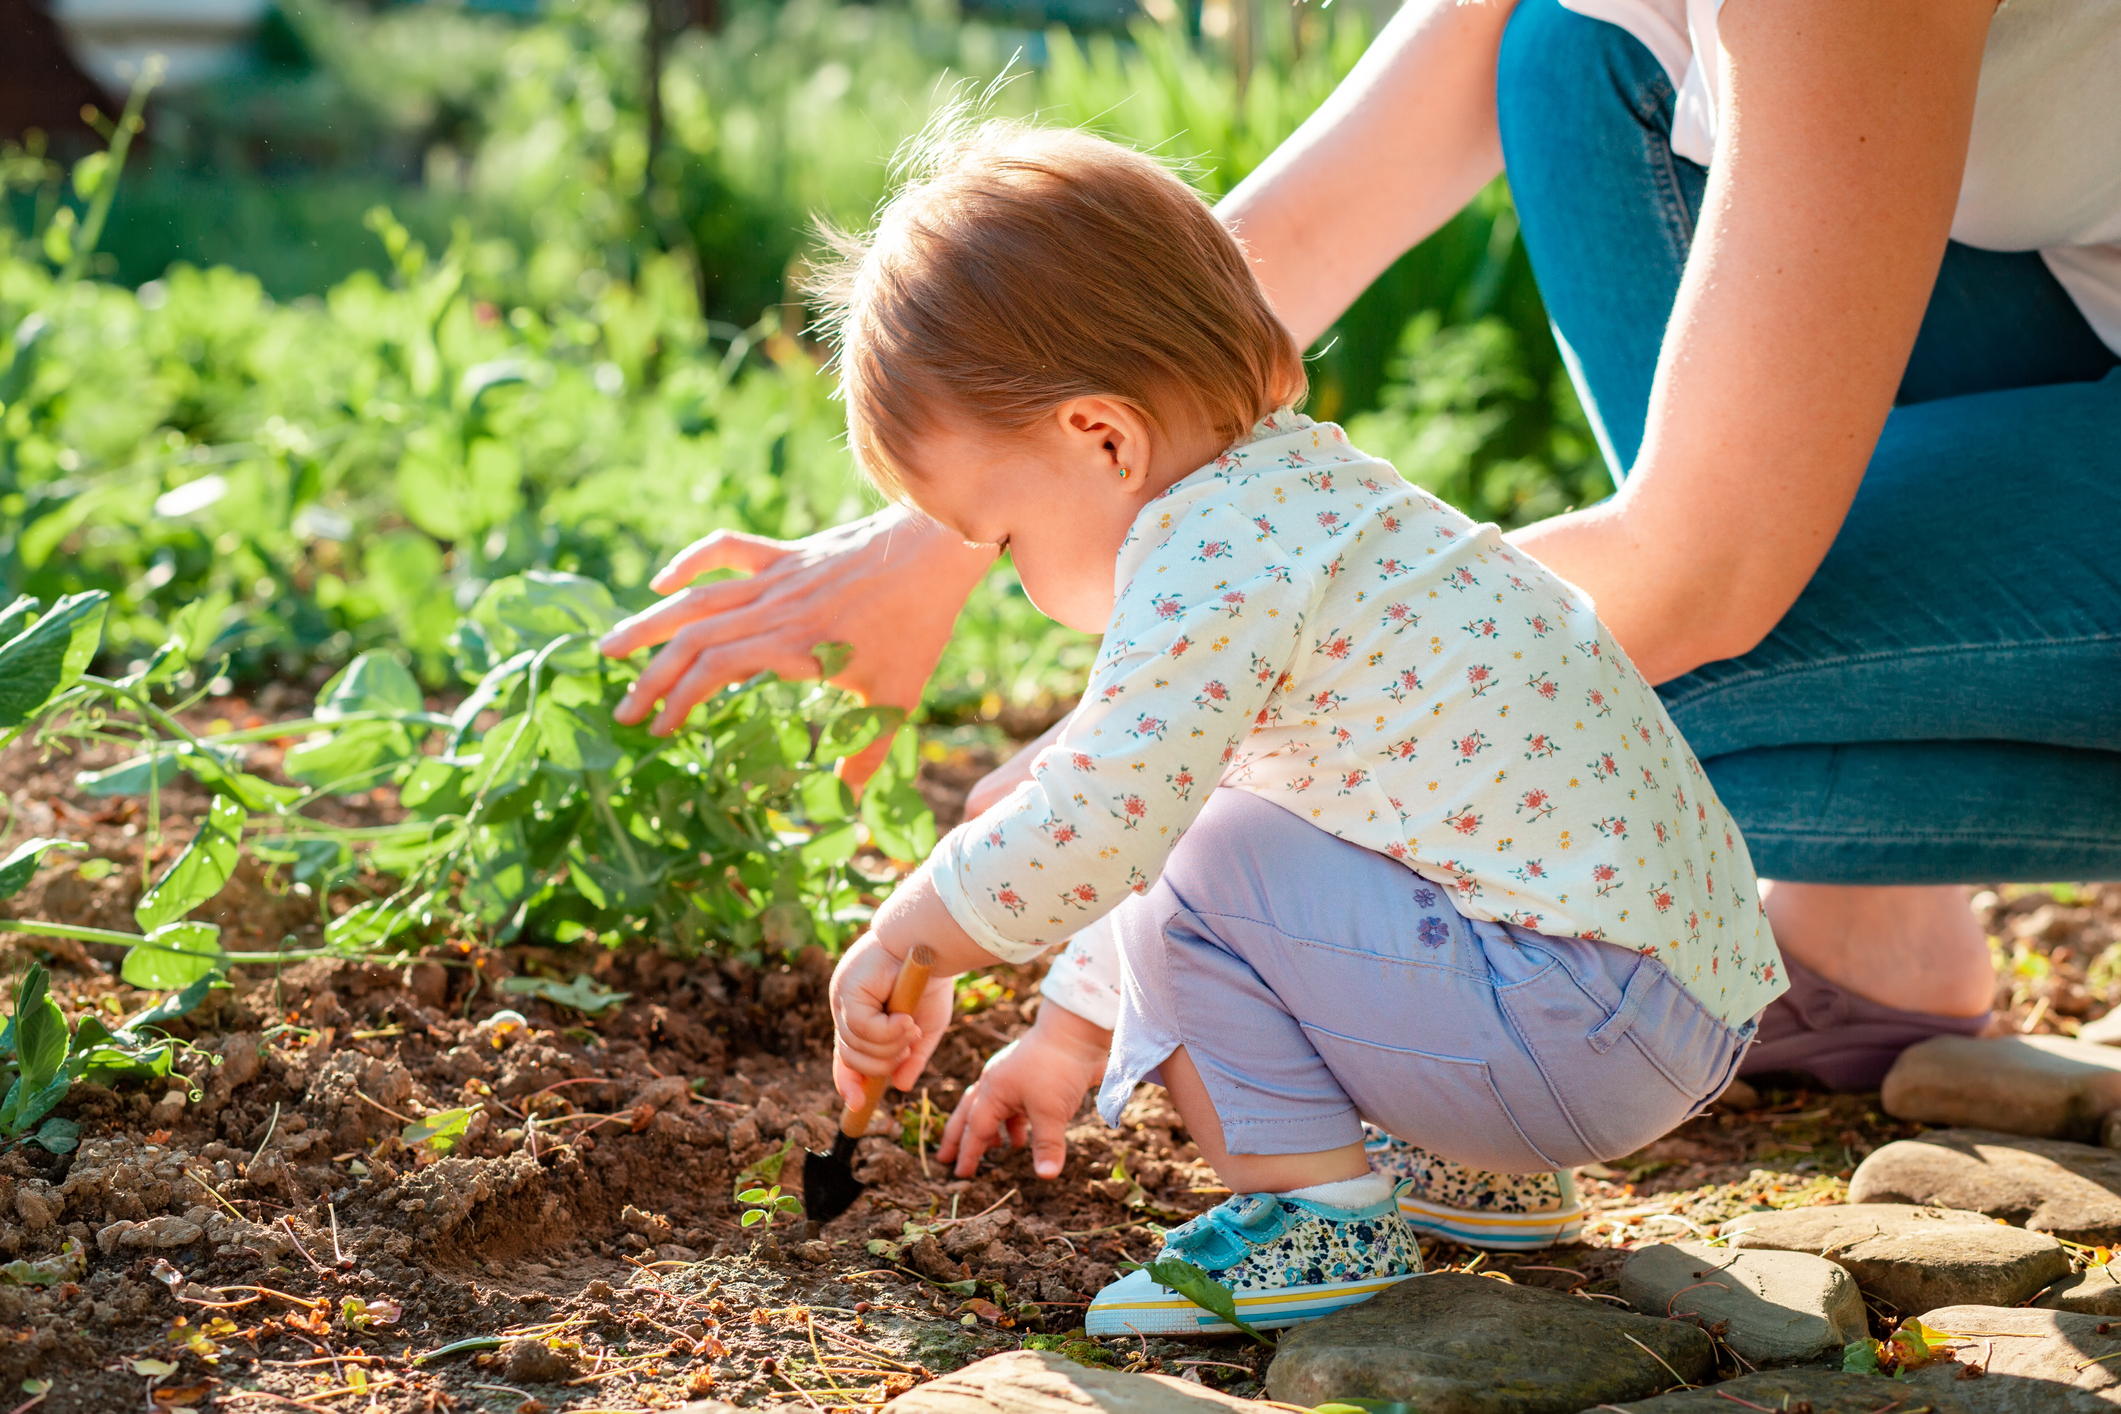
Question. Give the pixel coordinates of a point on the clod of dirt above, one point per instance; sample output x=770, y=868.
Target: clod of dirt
x=533, y=1362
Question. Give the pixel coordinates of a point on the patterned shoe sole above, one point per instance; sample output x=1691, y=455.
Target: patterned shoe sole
x=1168, y=1313
x=1503, y=1232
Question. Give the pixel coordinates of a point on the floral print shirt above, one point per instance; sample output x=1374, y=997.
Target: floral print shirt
x=1296, y=620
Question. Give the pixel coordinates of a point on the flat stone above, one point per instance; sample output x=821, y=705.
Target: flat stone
x=1041, y=1382
x=1775, y=1308
x=1827, y=1391
x=2046, y=1185
x=1457, y=1344
x=2091, y=1292
x=2106, y=1031
x=1913, y=1258
x=2048, y=1086
x=2032, y=1361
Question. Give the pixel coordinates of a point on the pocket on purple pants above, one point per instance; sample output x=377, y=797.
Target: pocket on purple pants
x=1446, y=1104
x=1619, y=1078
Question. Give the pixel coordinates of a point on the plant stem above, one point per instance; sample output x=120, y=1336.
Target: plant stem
x=121, y=139
x=134, y=940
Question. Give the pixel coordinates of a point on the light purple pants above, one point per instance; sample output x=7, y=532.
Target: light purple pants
x=1316, y=984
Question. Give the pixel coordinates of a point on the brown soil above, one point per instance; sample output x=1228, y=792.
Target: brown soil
x=255, y=1240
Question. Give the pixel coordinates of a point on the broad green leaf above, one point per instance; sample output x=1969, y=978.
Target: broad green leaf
x=826, y=797
x=38, y=1103
x=351, y=757
x=373, y=682
x=172, y=1007
x=507, y=756
x=583, y=993
x=1203, y=1291
x=832, y=658
x=20, y=866
x=432, y=780
x=314, y=857
x=573, y=741
x=853, y=730
x=530, y=610
x=192, y=632
x=40, y=1033
x=174, y=955
x=197, y=875
x=15, y=617
x=40, y=662
x=366, y=925
x=151, y=770
x=60, y=1136
x=1860, y=1357
x=831, y=848
x=439, y=1131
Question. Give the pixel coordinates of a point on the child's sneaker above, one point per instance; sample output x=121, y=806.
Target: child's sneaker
x=1284, y=1260
x=1510, y=1212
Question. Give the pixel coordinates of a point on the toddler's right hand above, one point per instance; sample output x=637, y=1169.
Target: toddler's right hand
x=1029, y=1090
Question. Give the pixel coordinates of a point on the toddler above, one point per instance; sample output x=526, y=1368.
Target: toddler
x=1363, y=818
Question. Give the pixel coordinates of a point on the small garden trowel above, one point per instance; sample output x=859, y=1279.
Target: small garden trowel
x=829, y=1185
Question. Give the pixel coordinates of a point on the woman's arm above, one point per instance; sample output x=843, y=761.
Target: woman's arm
x=1401, y=145
x=1842, y=143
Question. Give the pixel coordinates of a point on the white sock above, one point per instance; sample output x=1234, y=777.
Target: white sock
x=1372, y=1187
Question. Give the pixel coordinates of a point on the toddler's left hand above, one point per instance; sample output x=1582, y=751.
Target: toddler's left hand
x=868, y=1040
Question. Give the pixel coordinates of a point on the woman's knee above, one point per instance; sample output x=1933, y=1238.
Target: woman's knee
x=1558, y=68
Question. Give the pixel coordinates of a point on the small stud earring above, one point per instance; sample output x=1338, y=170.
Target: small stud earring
x=1124, y=473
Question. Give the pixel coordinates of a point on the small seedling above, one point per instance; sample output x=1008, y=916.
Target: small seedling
x=767, y=1205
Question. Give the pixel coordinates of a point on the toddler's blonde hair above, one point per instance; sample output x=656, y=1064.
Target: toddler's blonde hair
x=1019, y=267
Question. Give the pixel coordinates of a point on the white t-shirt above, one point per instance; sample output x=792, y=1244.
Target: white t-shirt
x=2043, y=171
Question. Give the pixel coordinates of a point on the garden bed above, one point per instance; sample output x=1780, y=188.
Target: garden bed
x=276, y=1240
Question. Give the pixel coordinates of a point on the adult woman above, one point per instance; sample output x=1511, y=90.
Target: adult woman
x=1869, y=476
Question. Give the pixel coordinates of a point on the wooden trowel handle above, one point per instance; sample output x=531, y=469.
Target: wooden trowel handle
x=905, y=995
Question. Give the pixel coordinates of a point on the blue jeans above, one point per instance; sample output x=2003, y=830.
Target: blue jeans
x=1943, y=702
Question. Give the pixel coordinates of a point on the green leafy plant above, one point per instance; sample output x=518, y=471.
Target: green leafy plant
x=47, y=1056
x=530, y=813
x=767, y=1205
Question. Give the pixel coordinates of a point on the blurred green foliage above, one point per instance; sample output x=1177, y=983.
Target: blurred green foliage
x=558, y=351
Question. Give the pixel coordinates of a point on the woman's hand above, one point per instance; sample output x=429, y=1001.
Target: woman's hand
x=994, y=787
x=1028, y=1091
x=890, y=584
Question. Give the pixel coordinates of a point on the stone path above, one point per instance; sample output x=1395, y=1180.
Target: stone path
x=1913, y=1258
x=1826, y=1391
x=2072, y=1191
x=1773, y=1308
x=1039, y=1382
x=1964, y=1226
x=2035, y=1362
x=1456, y=1344
x=2049, y=1087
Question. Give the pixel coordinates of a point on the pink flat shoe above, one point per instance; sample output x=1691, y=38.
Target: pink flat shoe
x=1840, y=1039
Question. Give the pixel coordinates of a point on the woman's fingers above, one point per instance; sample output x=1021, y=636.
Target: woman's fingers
x=659, y=623
x=711, y=670
x=723, y=550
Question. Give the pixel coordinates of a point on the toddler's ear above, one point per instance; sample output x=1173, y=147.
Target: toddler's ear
x=1107, y=438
